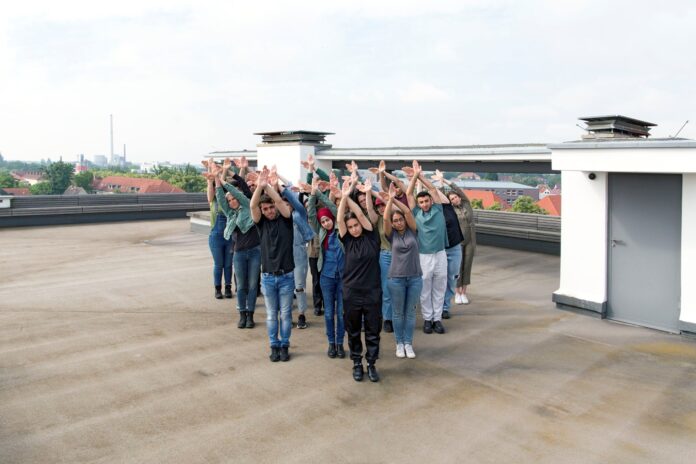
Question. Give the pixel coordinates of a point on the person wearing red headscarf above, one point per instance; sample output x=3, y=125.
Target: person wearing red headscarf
x=330, y=265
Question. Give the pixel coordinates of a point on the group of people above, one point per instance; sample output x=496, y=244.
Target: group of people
x=374, y=252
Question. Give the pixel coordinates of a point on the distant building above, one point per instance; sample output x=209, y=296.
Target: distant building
x=122, y=184
x=100, y=160
x=551, y=203
x=507, y=191
x=544, y=190
x=14, y=191
x=488, y=199
x=469, y=176
x=31, y=177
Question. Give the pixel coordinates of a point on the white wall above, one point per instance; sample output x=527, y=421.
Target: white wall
x=287, y=158
x=584, y=236
x=688, y=257
x=642, y=160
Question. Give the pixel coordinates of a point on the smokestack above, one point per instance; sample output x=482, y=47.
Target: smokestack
x=111, y=124
x=124, y=154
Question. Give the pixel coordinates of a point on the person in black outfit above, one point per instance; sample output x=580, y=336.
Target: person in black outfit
x=362, y=289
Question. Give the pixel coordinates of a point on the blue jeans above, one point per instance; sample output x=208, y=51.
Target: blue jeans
x=405, y=294
x=454, y=262
x=246, y=269
x=299, y=254
x=277, y=294
x=222, y=251
x=332, y=291
x=385, y=258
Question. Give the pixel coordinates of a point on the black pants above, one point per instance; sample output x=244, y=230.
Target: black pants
x=316, y=288
x=358, y=306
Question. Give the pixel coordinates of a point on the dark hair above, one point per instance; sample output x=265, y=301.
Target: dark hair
x=399, y=212
x=266, y=199
x=423, y=194
x=350, y=215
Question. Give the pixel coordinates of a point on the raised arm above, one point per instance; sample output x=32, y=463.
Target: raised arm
x=387, y=217
x=438, y=196
x=256, y=197
x=408, y=215
x=367, y=190
x=355, y=209
x=271, y=191
x=412, y=186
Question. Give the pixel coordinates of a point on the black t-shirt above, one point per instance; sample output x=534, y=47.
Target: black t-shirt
x=276, y=244
x=245, y=241
x=454, y=233
x=361, y=261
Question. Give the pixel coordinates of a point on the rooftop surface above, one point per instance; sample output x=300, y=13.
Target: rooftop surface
x=112, y=349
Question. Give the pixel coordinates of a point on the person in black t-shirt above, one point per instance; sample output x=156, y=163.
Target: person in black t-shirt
x=274, y=221
x=362, y=289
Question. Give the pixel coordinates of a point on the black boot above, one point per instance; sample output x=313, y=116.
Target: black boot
x=228, y=291
x=218, y=293
x=275, y=354
x=331, y=353
x=388, y=327
x=242, y=320
x=372, y=373
x=284, y=353
x=250, y=320
x=358, y=371
x=340, y=351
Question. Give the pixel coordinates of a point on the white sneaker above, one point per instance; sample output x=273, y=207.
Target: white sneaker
x=400, y=351
x=464, y=300
x=457, y=298
x=409, y=351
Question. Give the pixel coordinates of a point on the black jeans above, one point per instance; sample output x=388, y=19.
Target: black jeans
x=363, y=305
x=317, y=298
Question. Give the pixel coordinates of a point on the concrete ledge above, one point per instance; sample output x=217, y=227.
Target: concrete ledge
x=687, y=328
x=578, y=305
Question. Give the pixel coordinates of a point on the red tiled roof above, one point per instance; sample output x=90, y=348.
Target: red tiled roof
x=487, y=198
x=17, y=191
x=135, y=185
x=32, y=175
x=551, y=203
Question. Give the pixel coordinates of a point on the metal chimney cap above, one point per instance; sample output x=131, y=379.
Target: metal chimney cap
x=617, y=117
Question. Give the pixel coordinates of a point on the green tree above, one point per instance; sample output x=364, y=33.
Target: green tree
x=495, y=207
x=84, y=180
x=525, y=204
x=60, y=176
x=42, y=188
x=6, y=179
x=477, y=203
x=490, y=176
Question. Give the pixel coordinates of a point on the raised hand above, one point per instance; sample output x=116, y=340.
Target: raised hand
x=438, y=176
x=384, y=196
x=392, y=191
x=309, y=164
x=382, y=166
x=408, y=171
x=273, y=176
x=367, y=186
x=315, y=183
x=352, y=167
x=336, y=192
x=417, y=170
x=333, y=180
x=347, y=186
x=305, y=188
x=252, y=177
x=243, y=162
x=323, y=185
x=227, y=164
x=263, y=178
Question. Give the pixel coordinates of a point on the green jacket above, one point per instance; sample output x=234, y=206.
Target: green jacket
x=312, y=210
x=239, y=218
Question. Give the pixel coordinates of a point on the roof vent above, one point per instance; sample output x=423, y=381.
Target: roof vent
x=616, y=127
x=294, y=137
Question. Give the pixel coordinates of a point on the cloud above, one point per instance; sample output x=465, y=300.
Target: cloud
x=422, y=92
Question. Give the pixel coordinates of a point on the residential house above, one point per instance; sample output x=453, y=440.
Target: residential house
x=123, y=184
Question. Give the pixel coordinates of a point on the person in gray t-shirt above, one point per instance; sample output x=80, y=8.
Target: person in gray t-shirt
x=405, y=280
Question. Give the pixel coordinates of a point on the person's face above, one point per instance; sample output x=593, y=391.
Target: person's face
x=380, y=209
x=252, y=185
x=399, y=192
x=424, y=203
x=232, y=201
x=454, y=199
x=269, y=211
x=398, y=222
x=362, y=201
x=326, y=223
x=354, y=227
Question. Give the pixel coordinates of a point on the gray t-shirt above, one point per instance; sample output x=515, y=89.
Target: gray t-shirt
x=405, y=260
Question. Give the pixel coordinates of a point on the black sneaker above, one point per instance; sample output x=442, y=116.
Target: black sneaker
x=284, y=354
x=228, y=291
x=250, y=320
x=438, y=327
x=318, y=311
x=428, y=327
x=358, y=371
x=218, y=292
x=388, y=327
x=372, y=373
x=340, y=351
x=301, y=322
x=275, y=354
x=445, y=314
x=331, y=352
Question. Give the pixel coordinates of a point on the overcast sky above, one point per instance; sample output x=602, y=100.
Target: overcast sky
x=183, y=79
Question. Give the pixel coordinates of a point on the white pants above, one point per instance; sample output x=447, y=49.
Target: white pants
x=434, y=267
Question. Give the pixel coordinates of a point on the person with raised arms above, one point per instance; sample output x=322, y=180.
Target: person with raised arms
x=405, y=275
x=274, y=221
x=432, y=241
x=362, y=291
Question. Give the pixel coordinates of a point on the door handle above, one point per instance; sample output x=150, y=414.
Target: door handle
x=615, y=242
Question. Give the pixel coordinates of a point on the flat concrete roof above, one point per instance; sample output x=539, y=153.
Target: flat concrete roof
x=113, y=349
